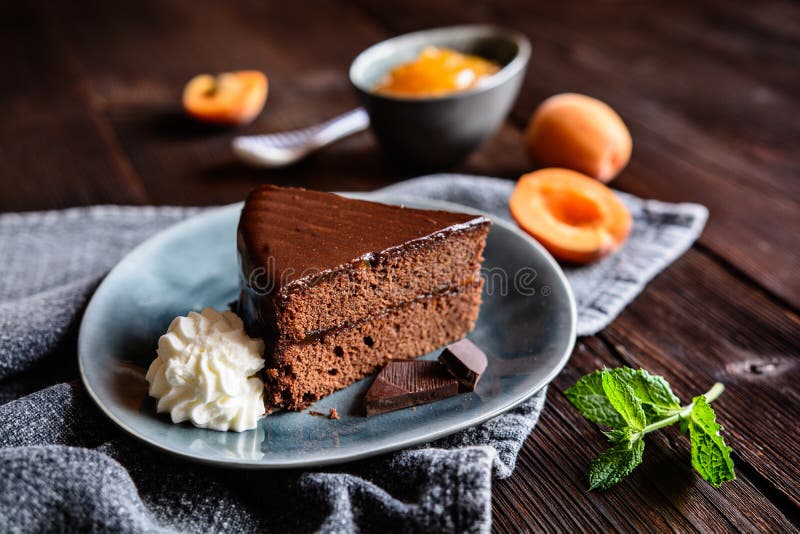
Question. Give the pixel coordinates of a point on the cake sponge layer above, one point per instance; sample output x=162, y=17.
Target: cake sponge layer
x=387, y=280
x=302, y=373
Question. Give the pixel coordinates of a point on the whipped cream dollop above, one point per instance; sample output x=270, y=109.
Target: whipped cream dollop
x=204, y=372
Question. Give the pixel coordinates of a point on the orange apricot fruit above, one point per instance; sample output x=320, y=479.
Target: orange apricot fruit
x=575, y=217
x=230, y=98
x=581, y=133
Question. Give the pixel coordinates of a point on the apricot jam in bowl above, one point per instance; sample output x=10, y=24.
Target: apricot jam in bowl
x=437, y=71
x=434, y=96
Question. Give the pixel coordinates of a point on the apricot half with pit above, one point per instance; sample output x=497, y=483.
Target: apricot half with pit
x=581, y=133
x=575, y=217
x=229, y=99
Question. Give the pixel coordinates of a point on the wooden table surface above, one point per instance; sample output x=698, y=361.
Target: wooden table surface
x=710, y=90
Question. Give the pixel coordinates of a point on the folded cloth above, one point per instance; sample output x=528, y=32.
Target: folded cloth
x=64, y=466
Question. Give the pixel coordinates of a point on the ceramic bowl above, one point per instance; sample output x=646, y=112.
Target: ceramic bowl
x=441, y=130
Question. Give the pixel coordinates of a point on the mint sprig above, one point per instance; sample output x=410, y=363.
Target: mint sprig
x=633, y=403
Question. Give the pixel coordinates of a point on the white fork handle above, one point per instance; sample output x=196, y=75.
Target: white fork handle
x=284, y=148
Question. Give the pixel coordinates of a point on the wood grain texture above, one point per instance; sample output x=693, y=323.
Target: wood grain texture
x=710, y=91
x=549, y=491
x=182, y=162
x=695, y=325
x=743, y=340
x=707, y=127
x=55, y=149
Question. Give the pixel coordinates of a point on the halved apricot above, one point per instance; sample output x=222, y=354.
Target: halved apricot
x=573, y=216
x=230, y=98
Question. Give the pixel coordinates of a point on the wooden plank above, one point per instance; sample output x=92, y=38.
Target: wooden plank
x=185, y=163
x=676, y=328
x=734, y=33
x=54, y=149
x=701, y=325
x=705, y=129
x=776, y=209
x=548, y=492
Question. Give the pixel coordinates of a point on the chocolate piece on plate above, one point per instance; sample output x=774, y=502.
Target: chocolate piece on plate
x=406, y=383
x=465, y=361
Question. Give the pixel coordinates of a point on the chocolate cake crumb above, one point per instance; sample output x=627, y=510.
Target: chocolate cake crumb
x=333, y=414
x=315, y=413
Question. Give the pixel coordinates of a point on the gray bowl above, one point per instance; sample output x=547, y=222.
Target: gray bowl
x=442, y=130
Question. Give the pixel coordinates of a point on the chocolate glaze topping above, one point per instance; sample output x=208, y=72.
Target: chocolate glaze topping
x=297, y=235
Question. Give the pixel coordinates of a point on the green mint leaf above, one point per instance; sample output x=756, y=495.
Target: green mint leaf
x=710, y=456
x=653, y=391
x=615, y=464
x=588, y=397
x=624, y=401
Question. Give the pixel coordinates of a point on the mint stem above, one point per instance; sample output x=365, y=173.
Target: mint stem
x=715, y=391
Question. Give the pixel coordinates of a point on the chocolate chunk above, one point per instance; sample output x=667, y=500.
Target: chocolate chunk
x=408, y=383
x=464, y=361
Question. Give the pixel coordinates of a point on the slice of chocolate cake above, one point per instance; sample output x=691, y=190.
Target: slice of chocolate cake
x=337, y=287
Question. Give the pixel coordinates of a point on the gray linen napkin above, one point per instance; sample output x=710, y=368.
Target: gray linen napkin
x=64, y=466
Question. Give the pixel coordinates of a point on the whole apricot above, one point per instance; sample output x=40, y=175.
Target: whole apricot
x=230, y=98
x=573, y=216
x=581, y=133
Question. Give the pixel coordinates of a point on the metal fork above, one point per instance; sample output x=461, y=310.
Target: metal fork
x=284, y=148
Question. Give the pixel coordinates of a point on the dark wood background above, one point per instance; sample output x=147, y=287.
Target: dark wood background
x=710, y=90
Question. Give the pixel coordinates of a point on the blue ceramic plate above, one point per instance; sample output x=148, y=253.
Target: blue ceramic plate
x=526, y=327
